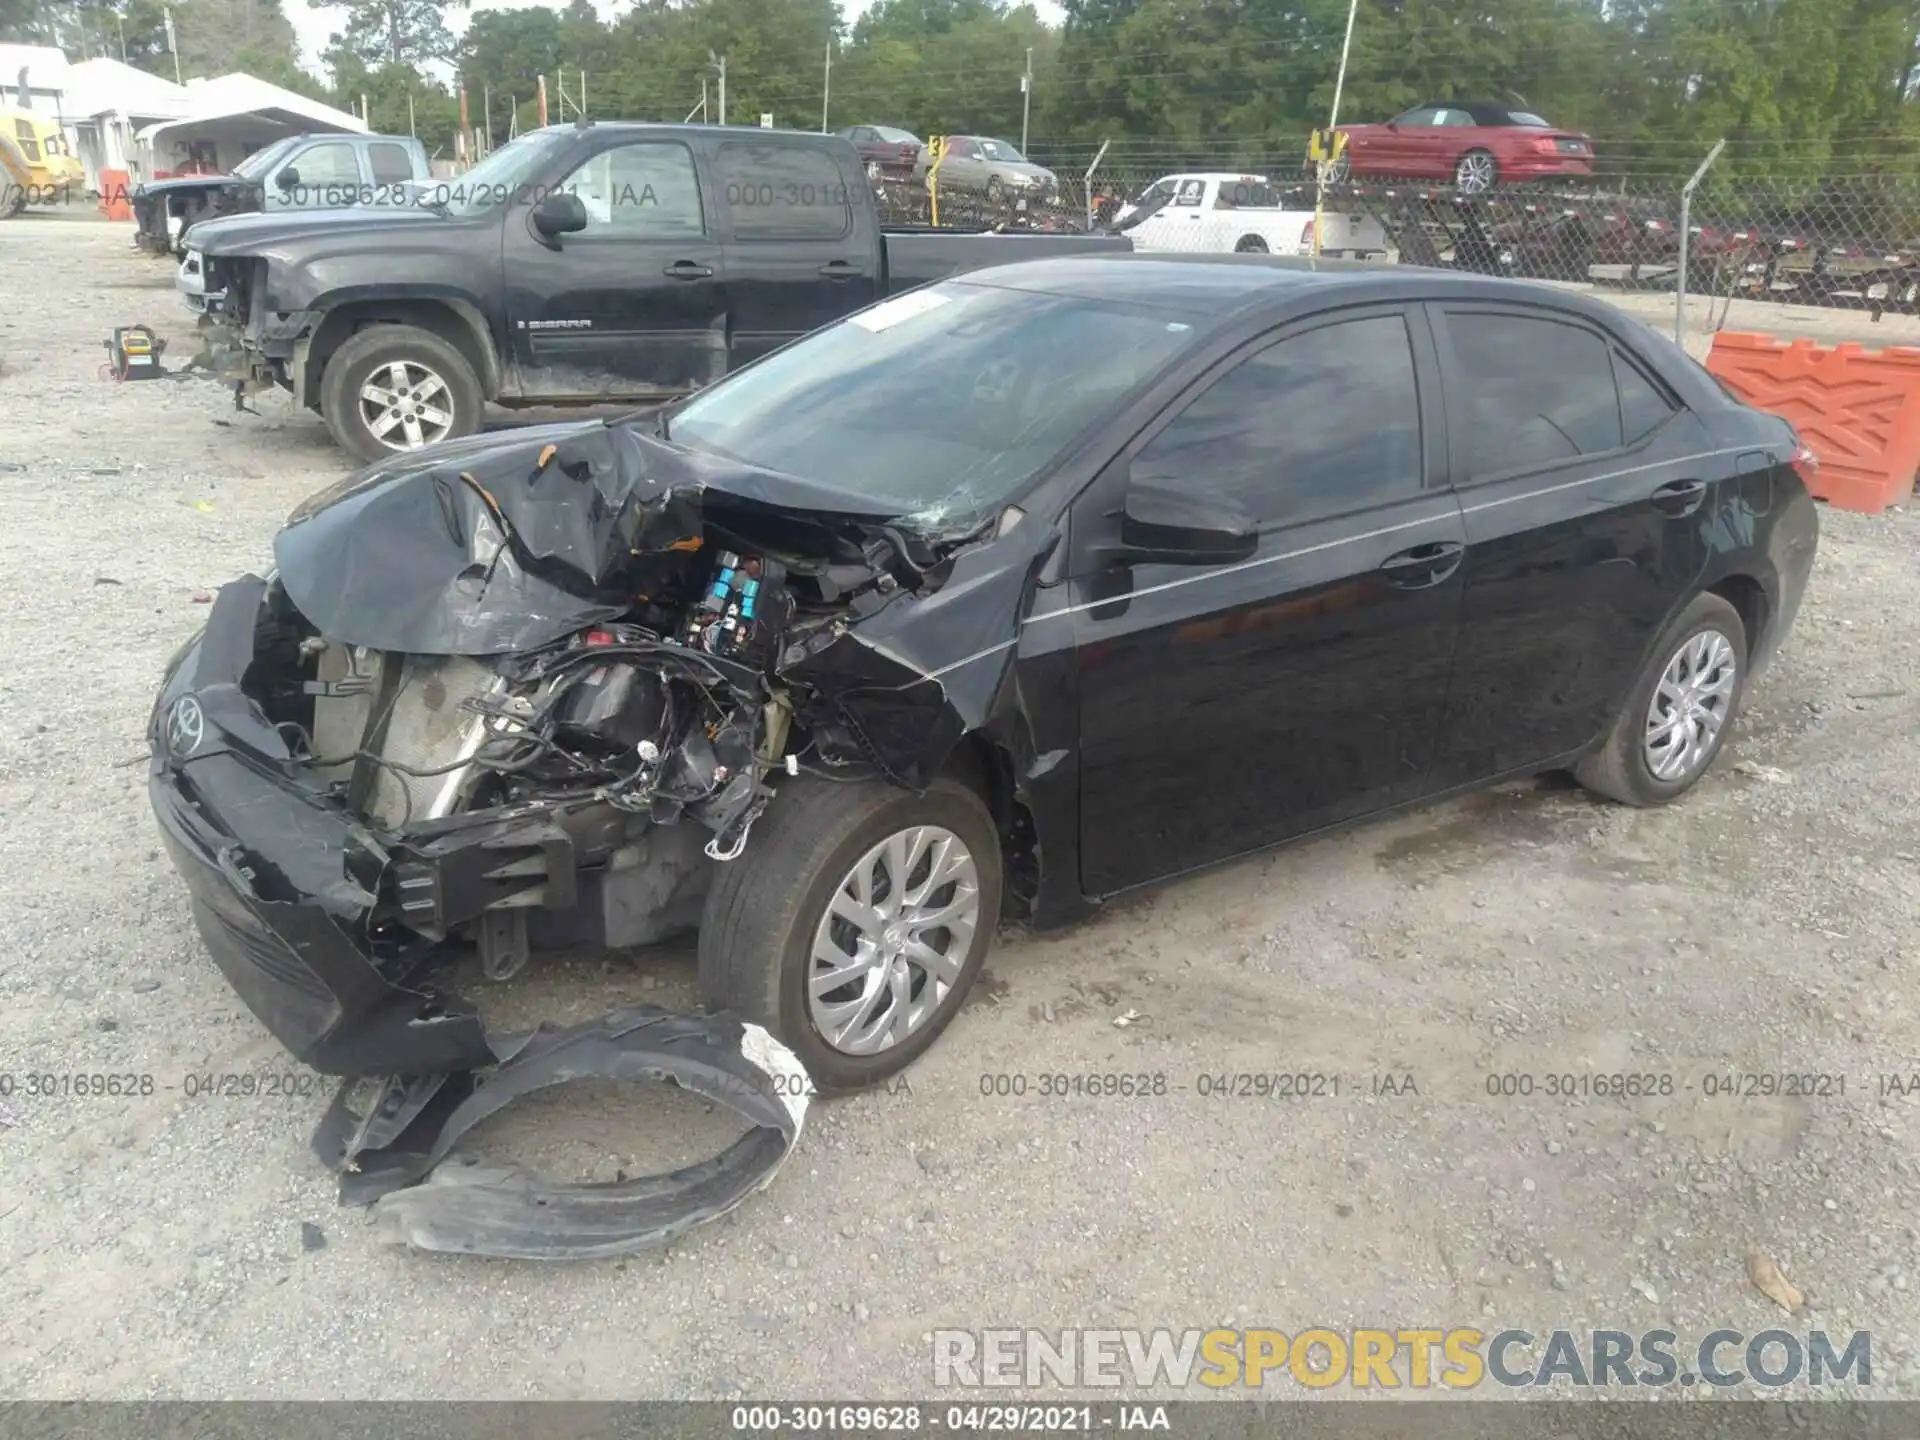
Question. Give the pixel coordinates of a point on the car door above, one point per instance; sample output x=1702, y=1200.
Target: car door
x=1433, y=148
x=322, y=176
x=795, y=258
x=1226, y=708
x=635, y=304
x=1176, y=225
x=1588, y=493
x=1395, y=149
x=965, y=165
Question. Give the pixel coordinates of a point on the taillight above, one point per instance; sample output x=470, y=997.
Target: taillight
x=1306, y=237
x=1806, y=464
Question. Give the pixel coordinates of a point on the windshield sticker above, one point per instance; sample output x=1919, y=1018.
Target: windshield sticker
x=889, y=313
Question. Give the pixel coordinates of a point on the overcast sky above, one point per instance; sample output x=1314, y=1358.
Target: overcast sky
x=315, y=27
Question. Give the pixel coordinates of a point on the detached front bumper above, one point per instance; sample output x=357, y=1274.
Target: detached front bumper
x=286, y=893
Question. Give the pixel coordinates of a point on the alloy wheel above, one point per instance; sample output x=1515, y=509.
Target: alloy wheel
x=1690, y=706
x=1474, y=172
x=405, y=405
x=890, y=949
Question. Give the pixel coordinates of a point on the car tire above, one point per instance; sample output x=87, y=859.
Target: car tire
x=1250, y=245
x=767, y=909
x=16, y=201
x=1622, y=768
x=441, y=375
x=1476, y=173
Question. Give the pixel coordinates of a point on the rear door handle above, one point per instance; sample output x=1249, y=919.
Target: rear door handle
x=841, y=270
x=1423, y=565
x=1680, y=498
x=687, y=270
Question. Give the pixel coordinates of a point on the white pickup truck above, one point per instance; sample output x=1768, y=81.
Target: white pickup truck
x=1212, y=213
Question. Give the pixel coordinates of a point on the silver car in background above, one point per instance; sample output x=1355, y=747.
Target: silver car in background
x=991, y=167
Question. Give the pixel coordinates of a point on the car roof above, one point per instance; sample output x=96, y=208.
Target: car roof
x=1224, y=287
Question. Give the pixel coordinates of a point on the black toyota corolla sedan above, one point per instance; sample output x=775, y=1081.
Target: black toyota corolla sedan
x=997, y=599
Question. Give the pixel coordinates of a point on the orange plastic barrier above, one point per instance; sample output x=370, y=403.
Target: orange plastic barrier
x=116, y=190
x=1855, y=408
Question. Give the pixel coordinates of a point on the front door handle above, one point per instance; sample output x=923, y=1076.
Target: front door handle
x=1680, y=498
x=1423, y=565
x=687, y=270
x=841, y=270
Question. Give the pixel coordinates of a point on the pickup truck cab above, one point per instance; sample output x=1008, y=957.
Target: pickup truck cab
x=298, y=172
x=578, y=265
x=1218, y=213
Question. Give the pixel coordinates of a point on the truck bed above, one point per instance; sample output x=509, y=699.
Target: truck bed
x=918, y=256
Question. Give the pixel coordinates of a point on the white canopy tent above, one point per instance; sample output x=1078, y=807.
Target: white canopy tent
x=230, y=117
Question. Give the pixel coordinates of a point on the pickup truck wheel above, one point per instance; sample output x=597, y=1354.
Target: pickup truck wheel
x=1250, y=245
x=854, y=923
x=394, y=388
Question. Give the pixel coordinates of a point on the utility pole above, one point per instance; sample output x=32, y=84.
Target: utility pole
x=720, y=63
x=121, y=21
x=1026, y=99
x=826, y=87
x=486, y=112
x=171, y=45
x=410, y=129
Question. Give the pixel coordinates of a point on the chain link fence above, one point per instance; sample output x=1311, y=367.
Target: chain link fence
x=1842, y=243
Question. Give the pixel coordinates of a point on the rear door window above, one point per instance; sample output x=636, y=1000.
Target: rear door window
x=391, y=164
x=783, y=192
x=1538, y=391
x=1644, y=406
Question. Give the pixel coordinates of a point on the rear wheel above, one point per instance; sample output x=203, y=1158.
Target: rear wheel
x=1250, y=245
x=1476, y=173
x=1677, y=716
x=855, y=922
x=394, y=388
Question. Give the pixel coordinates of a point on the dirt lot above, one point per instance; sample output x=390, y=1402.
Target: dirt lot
x=167, y=1246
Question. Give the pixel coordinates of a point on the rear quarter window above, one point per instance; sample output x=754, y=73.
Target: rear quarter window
x=783, y=192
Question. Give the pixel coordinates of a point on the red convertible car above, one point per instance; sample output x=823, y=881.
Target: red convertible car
x=1474, y=146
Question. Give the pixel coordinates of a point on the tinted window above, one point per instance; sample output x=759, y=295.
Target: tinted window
x=1316, y=425
x=1643, y=408
x=896, y=137
x=391, y=163
x=643, y=192
x=330, y=164
x=1538, y=391
x=783, y=192
x=1522, y=117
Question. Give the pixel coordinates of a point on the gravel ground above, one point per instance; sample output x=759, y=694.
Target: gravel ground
x=163, y=1246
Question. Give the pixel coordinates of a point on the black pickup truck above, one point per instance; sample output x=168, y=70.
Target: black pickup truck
x=578, y=265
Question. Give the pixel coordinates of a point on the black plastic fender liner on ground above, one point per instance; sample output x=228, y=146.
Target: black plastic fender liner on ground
x=471, y=1207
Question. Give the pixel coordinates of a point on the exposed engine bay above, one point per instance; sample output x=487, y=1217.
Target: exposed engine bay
x=527, y=693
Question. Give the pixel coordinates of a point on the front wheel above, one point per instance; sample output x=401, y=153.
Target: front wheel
x=394, y=388
x=1677, y=716
x=854, y=923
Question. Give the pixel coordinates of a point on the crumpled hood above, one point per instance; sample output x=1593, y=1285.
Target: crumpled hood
x=503, y=543
x=498, y=543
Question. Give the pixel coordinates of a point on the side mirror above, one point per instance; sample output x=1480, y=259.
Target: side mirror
x=287, y=178
x=1164, y=523
x=560, y=213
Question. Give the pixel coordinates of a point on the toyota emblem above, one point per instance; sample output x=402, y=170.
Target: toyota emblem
x=186, y=726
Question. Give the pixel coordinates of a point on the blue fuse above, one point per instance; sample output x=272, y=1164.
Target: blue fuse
x=747, y=595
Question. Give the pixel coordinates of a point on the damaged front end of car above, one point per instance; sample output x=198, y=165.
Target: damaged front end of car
x=520, y=693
